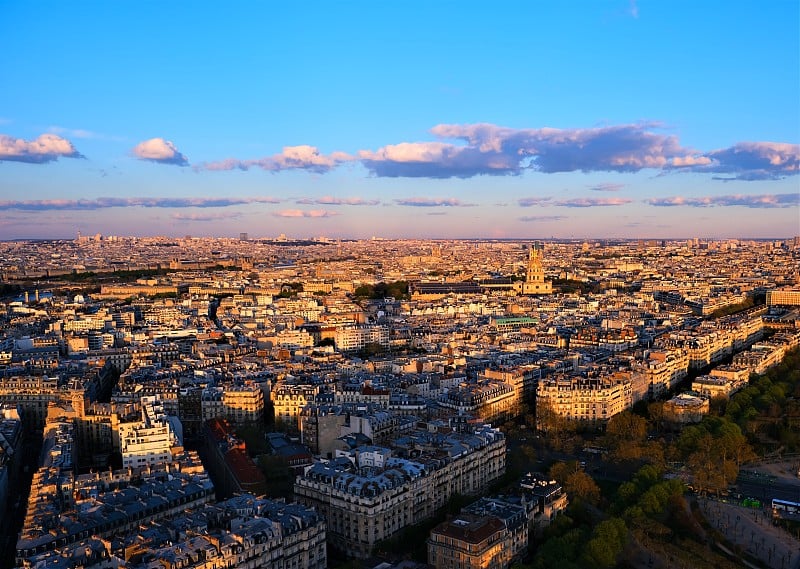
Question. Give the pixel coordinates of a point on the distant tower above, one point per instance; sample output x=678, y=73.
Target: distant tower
x=535, y=282
x=535, y=269
x=78, y=400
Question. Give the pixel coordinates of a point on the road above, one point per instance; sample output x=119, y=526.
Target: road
x=765, y=488
x=753, y=531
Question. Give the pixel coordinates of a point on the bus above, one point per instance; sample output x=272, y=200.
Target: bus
x=785, y=508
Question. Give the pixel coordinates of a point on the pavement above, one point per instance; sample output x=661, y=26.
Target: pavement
x=785, y=471
x=754, y=532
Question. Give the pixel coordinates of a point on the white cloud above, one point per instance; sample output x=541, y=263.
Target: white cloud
x=468, y=150
x=303, y=157
x=45, y=148
x=161, y=151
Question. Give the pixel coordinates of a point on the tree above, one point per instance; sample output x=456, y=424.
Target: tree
x=718, y=404
x=396, y=289
x=581, y=486
x=561, y=552
x=733, y=444
x=653, y=452
x=625, y=435
x=556, y=428
x=607, y=542
x=371, y=349
x=646, y=477
x=529, y=452
x=708, y=472
x=714, y=450
x=627, y=426
x=364, y=291
x=560, y=470
x=655, y=411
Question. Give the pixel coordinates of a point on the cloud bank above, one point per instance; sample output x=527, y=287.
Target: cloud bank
x=205, y=216
x=483, y=149
x=757, y=160
x=45, y=148
x=767, y=201
x=161, y=151
x=432, y=202
x=330, y=200
x=593, y=202
x=542, y=218
x=607, y=187
x=530, y=202
x=575, y=202
x=103, y=203
x=301, y=157
x=305, y=213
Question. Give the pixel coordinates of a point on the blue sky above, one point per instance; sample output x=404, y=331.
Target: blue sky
x=400, y=119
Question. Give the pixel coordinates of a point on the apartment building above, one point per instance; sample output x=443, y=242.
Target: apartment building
x=10, y=461
x=470, y=542
x=289, y=399
x=584, y=399
x=320, y=428
x=229, y=463
x=238, y=403
x=547, y=497
x=353, y=338
x=369, y=495
x=522, y=378
x=710, y=386
x=31, y=393
x=515, y=516
x=490, y=401
x=362, y=393
x=783, y=297
x=65, y=508
x=662, y=369
x=150, y=440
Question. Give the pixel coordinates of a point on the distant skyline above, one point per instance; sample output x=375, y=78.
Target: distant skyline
x=444, y=119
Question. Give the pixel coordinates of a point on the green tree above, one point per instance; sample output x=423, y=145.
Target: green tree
x=364, y=291
x=606, y=544
x=714, y=450
x=561, y=552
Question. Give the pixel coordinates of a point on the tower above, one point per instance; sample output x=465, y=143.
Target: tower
x=535, y=282
x=535, y=272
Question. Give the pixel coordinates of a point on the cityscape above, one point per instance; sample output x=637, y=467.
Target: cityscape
x=255, y=402
x=371, y=285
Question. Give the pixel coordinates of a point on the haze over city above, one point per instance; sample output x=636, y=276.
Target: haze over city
x=422, y=119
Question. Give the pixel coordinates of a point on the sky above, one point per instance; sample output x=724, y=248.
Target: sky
x=413, y=119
